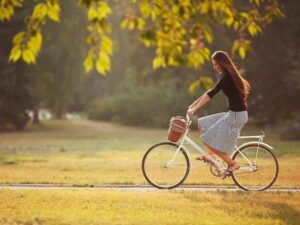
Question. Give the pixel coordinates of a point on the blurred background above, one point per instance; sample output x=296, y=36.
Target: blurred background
x=133, y=93
x=79, y=112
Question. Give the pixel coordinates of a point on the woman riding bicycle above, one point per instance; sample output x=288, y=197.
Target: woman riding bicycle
x=220, y=131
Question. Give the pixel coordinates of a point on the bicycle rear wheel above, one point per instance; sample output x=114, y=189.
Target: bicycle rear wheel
x=162, y=168
x=263, y=172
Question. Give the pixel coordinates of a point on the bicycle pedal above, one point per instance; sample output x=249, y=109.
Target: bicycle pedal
x=199, y=159
x=226, y=175
x=203, y=160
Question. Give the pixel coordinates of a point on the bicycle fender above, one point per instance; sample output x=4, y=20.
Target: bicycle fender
x=256, y=143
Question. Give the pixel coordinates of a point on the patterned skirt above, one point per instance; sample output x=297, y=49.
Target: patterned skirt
x=221, y=130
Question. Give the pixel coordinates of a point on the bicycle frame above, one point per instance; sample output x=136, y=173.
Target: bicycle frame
x=185, y=139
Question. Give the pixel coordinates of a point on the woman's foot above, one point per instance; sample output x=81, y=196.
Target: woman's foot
x=205, y=158
x=230, y=169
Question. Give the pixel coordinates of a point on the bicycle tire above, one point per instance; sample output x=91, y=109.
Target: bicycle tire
x=165, y=185
x=235, y=175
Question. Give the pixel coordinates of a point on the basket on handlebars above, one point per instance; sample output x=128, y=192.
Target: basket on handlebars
x=178, y=126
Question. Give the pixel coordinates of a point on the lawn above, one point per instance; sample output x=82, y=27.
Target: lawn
x=82, y=152
x=92, y=206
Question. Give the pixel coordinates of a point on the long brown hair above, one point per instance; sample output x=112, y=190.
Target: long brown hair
x=226, y=63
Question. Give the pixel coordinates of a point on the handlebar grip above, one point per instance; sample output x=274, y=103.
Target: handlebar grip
x=188, y=117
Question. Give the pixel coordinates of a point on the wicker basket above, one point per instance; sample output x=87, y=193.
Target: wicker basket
x=178, y=126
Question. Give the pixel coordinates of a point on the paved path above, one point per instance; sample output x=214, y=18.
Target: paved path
x=142, y=188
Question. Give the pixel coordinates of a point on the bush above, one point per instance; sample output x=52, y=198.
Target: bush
x=101, y=109
x=150, y=105
x=143, y=105
x=290, y=131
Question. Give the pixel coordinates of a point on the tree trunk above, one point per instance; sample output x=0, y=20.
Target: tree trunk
x=36, y=119
x=59, y=114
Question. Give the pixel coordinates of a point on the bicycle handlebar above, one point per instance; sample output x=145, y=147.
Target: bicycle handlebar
x=188, y=119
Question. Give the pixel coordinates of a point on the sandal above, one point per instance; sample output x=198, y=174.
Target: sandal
x=229, y=170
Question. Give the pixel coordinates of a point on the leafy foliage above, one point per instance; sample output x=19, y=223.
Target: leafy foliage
x=273, y=70
x=180, y=31
x=27, y=44
x=100, y=44
x=8, y=7
x=139, y=105
x=15, y=99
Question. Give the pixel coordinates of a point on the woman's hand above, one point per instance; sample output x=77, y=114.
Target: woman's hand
x=190, y=112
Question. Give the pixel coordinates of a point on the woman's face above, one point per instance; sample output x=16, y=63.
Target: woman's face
x=217, y=66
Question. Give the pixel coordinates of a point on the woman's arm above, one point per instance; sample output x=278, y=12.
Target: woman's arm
x=199, y=103
x=196, y=101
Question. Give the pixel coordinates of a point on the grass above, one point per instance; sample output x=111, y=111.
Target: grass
x=84, y=152
x=90, y=206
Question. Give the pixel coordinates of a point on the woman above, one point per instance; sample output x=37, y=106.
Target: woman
x=220, y=131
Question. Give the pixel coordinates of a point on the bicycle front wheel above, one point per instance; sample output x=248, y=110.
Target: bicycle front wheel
x=258, y=168
x=164, y=167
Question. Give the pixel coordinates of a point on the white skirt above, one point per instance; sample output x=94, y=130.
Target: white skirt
x=221, y=130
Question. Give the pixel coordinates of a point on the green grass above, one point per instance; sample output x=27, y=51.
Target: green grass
x=83, y=152
x=90, y=206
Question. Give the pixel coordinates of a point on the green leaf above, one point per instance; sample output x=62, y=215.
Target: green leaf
x=103, y=63
x=28, y=56
x=236, y=25
x=18, y=38
x=145, y=9
x=235, y=47
x=153, y=14
x=131, y=25
x=103, y=10
x=208, y=36
x=53, y=12
x=242, y=52
x=193, y=87
x=196, y=59
x=253, y=29
x=100, y=68
x=158, y=62
x=33, y=45
x=206, y=82
x=229, y=21
x=92, y=14
x=206, y=53
x=203, y=82
x=15, y=54
x=4, y=14
x=40, y=11
x=140, y=23
x=39, y=39
x=89, y=62
x=124, y=23
x=106, y=45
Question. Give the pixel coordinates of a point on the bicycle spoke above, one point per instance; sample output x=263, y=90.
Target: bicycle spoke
x=261, y=174
x=162, y=169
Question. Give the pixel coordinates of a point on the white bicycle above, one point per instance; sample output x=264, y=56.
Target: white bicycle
x=166, y=165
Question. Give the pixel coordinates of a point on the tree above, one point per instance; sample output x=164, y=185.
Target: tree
x=177, y=33
x=15, y=98
x=58, y=70
x=180, y=31
x=274, y=70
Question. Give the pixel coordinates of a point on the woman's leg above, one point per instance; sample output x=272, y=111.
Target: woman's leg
x=230, y=162
x=209, y=151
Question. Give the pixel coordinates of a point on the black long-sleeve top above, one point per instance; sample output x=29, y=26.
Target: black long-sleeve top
x=226, y=84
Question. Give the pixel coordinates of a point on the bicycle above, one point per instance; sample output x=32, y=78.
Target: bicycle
x=166, y=165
